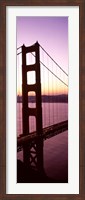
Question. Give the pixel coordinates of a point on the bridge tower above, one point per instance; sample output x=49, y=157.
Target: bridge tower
x=33, y=151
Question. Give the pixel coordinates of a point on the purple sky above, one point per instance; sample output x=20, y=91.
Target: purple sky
x=50, y=32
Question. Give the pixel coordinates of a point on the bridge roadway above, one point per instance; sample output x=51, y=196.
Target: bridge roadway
x=48, y=132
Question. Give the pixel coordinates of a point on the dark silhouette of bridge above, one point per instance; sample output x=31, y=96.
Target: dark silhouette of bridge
x=31, y=142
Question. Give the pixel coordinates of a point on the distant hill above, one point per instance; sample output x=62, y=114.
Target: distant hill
x=63, y=98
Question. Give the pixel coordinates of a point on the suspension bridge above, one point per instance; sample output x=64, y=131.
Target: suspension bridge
x=40, y=81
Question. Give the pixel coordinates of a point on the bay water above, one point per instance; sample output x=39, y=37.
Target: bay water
x=56, y=148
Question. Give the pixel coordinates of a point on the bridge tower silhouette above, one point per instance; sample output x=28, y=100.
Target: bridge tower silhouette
x=32, y=151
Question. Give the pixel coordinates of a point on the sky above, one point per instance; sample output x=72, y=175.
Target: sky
x=52, y=35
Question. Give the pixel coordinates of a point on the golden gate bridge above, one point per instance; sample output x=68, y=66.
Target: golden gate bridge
x=41, y=79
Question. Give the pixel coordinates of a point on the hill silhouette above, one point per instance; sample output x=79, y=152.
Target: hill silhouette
x=63, y=98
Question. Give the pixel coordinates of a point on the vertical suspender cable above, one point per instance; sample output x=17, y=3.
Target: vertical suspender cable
x=48, y=90
x=52, y=96
x=57, y=93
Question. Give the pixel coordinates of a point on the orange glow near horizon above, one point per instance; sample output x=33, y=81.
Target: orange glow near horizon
x=50, y=84
x=45, y=91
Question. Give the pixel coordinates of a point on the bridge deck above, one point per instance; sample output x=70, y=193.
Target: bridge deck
x=48, y=132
